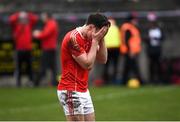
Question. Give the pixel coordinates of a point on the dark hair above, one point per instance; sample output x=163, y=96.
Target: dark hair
x=131, y=16
x=98, y=20
x=48, y=14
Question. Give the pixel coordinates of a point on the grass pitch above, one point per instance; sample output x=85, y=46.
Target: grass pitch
x=111, y=103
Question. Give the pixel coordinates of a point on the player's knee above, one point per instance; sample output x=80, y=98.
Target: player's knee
x=75, y=118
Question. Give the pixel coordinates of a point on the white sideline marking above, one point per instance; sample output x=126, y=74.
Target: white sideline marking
x=96, y=98
x=127, y=93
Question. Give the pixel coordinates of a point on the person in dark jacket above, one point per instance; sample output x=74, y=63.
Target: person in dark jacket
x=154, y=48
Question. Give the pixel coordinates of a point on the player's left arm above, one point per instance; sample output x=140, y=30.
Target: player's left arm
x=33, y=18
x=45, y=33
x=102, y=53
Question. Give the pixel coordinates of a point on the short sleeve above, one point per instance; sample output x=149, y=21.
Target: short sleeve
x=75, y=48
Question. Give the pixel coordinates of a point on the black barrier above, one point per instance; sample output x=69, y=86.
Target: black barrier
x=7, y=56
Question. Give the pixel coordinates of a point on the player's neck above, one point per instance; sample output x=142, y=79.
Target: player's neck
x=83, y=31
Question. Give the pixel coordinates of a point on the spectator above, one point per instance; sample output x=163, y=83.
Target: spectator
x=48, y=37
x=154, y=49
x=130, y=47
x=22, y=24
x=112, y=41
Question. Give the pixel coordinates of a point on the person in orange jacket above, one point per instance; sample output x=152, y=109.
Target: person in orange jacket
x=48, y=37
x=130, y=48
x=22, y=23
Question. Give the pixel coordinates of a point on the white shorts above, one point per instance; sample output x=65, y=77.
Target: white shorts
x=74, y=102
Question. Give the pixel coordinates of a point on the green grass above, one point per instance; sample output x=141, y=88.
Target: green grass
x=111, y=103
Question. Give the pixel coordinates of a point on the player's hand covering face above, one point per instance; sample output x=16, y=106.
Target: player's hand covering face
x=99, y=35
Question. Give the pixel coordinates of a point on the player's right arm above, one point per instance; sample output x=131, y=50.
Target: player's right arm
x=86, y=60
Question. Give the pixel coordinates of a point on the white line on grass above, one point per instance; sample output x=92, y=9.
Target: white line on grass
x=128, y=93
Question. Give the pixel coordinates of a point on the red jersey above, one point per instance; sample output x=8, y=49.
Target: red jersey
x=22, y=33
x=49, y=35
x=74, y=77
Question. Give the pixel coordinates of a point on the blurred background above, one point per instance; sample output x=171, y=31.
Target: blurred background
x=31, y=33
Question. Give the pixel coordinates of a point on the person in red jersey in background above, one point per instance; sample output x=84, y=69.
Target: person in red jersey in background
x=48, y=37
x=80, y=48
x=22, y=23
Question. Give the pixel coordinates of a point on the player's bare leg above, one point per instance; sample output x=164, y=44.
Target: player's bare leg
x=75, y=117
x=89, y=117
